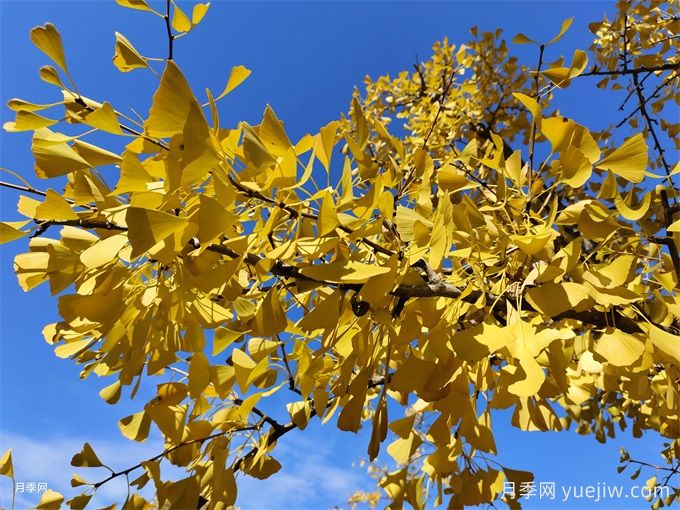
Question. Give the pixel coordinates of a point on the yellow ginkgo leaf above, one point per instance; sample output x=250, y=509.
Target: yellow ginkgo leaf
x=180, y=21
x=255, y=151
x=86, y=457
x=630, y=213
x=54, y=159
x=563, y=29
x=323, y=146
x=561, y=76
x=668, y=345
x=10, y=232
x=68, y=349
x=199, y=373
x=136, y=4
x=534, y=242
x=551, y=299
x=199, y=12
x=223, y=338
x=574, y=167
x=213, y=220
x=6, y=466
x=171, y=104
x=261, y=468
x=55, y=207
x=343, y=271
x=111, y=393
x=148, y=228
x=674, y=227
x=95, y=156
x=236, y=77
x=520, y=38
x=133, y=176
x=272, y=134
x=451, y=179
x=136, y=426
x=104, y=251
x=676, y=169
x=579, y=62
x=531, y=104
x=28, y=121
x=50, y=500
x=618, y=348
x=199, y=155
x=529, y=378
x=126, y=57
x=299, y=413
x=17, y=104
x=328, y=216
x=270, y=317
x=104, y=118
x=50, y=75
x=473, y=344
x=629, y=160
x=47, y=39
x=559, y=131
x=407, y=220
x=324, y=315
x=243, y=366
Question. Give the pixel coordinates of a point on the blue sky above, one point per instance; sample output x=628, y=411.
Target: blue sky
x=306, y=58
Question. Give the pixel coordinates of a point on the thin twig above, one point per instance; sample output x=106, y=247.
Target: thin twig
x=168, y=27
x=634, y=71
x=167, y=451
x=534, y=127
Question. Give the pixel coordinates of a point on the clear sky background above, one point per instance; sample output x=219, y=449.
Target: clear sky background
x=306, y=58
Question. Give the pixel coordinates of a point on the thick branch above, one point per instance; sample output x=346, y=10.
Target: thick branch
x=436, y=287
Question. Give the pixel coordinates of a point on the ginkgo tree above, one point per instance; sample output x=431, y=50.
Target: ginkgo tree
x=479, y=250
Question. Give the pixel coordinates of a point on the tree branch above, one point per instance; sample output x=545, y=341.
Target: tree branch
x=434, y=288
x=284, y=429
x=167, y=451
x=634, y=71
x=168, y=28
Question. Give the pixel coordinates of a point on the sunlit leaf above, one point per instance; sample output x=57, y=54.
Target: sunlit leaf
x=126, y=57
x=345, y=271
x=6, y=466
x=171, y=104
x=47, y=39
x=629, y=160
x=236, y=77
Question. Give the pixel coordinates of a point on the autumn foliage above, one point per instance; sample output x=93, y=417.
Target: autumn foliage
x=455, y=245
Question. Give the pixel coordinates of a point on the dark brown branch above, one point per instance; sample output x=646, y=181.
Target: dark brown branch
x=106, y=225
x=168, y=28
x=167, y=451
x=654, y=95
x=284, y=429
x=672, y=248
x=294, y=214
x=125, y=128
x=634, y=71
x=435, y=288
x=289, y=372
x=534, y=127
x=23, y=188
x=38, y=192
